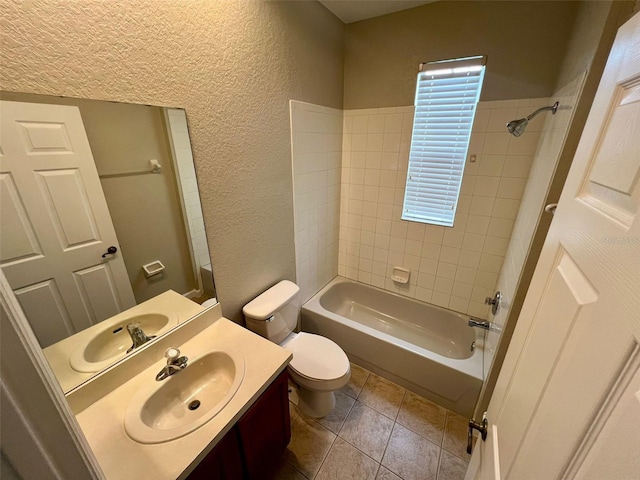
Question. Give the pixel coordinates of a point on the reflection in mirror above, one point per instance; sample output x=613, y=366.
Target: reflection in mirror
x=100, y=212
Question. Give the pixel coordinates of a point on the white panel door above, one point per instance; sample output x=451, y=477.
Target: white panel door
x=567, y=402
x=55, y=223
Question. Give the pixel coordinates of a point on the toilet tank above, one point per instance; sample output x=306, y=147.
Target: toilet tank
x=274, y=313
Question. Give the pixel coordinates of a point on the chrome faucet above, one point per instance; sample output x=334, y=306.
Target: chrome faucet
x=476, y=322
x=175, y=363
x=138, y=337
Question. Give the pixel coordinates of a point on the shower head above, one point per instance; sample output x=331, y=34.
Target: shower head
x=516, y=127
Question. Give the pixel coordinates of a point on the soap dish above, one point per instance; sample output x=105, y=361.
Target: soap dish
x=400, y=275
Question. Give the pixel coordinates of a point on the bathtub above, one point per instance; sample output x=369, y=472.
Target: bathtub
x=427, y=349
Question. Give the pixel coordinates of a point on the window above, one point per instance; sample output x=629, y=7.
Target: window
x=447, y=93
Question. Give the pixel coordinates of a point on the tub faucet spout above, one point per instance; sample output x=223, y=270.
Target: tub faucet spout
x=476, y=322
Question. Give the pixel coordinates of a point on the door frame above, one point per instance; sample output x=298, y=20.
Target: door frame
x=37, y=404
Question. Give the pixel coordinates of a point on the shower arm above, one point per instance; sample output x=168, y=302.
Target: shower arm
x=553, y=108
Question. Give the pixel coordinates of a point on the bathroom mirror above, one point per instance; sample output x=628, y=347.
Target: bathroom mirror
x=100, y=210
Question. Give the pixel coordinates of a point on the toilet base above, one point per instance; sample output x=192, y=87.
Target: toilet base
x=312, y=403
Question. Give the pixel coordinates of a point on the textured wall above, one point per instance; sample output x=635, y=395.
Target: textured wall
x=525, y=42
x=592, y=18
x=233, y=65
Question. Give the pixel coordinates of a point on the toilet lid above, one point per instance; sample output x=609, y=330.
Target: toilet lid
x=317, y=357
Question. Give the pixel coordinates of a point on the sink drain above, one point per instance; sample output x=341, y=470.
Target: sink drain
x=195, y=404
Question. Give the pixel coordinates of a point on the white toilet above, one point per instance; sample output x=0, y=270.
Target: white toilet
x=319, y=366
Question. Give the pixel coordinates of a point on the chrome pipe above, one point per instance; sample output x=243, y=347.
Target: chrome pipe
x=516, y=127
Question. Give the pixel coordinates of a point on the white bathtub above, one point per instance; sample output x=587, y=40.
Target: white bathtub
x=422, y=347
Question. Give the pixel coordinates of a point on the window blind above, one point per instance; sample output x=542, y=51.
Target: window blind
x=446, y=97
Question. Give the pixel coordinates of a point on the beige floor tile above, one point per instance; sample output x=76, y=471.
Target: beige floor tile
x=310, y=443
x=423, y=417
x=345, y=462
x=367, y=430
x=384, y=474
x=358, y=378
x=455, y=435
x=411, y=456
x=382, y=395
x=293, y=412
x=336, y=418
x=451, y=467
x=285, y=471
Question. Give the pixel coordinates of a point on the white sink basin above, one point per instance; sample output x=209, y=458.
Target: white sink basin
x=168, y=409
x=113, y=341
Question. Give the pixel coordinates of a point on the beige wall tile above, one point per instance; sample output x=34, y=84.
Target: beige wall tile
x=374, y=183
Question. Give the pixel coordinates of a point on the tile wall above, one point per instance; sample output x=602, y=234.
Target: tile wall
x=181, y=146
x=550, y=142
x=451, y=267
x=316, y=143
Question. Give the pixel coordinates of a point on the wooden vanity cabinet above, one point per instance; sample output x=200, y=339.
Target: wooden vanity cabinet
x=265, y=430
x=224, y=462
x=253, y=447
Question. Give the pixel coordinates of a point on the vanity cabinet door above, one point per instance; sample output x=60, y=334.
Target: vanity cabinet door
x=265, y=430
x=224, y=462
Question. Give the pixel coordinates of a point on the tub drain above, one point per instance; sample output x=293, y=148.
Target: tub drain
x=195, y=404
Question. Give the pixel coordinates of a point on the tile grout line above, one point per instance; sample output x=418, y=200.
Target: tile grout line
x=379, y=463
x=346, y=416
x=363, y=453
x=449, y=415
x=337, y=434
x=326, y=456
x=404, y=395
x=421, y=435
x=291, y=464
x=443, y=437
x=392, y=429
x=438, y=465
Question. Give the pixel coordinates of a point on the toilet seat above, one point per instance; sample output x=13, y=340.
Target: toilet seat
x=318, y=363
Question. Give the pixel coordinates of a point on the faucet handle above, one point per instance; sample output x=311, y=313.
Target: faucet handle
x=172, y=354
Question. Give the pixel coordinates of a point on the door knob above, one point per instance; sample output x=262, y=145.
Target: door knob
x=480, y=426
x=494, y=302
x=110, y=251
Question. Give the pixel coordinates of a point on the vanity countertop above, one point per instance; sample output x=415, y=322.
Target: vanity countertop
x=121, y=457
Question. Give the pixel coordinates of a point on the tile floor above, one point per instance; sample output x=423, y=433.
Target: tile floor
x=378, y=430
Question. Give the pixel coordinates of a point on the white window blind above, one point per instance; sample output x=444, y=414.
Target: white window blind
x=447, y=93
